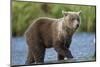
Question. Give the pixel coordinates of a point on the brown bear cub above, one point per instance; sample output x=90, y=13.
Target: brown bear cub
x=49, y=32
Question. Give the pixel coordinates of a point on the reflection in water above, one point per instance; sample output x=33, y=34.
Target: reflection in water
x=82, y=48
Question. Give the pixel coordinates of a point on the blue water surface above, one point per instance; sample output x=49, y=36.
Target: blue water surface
x=82, y=47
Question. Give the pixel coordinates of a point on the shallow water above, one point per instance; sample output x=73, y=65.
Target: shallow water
x=82, y=48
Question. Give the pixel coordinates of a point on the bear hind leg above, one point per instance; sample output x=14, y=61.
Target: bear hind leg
x=60, y=57
x=39, y=57
x=30, y=58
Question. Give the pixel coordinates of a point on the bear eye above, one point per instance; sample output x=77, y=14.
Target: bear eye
x=78, y=19
x=72, y=19
x=65, y=14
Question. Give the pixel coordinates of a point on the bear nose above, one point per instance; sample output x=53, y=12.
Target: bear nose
x=77, y=25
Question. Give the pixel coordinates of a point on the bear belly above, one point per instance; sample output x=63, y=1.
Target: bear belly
x=48, y=45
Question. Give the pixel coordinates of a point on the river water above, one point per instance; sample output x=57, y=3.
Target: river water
x=82, y=48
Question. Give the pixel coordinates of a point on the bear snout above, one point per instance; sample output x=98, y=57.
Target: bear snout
x=77, y=25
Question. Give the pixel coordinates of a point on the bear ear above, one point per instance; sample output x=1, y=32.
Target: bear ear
x=64, y=13
x=79, y=12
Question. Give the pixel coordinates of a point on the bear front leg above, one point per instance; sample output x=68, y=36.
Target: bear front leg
x=62, y=51
x=68, y=54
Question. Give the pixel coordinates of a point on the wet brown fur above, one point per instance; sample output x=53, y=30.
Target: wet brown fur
x=47, y=32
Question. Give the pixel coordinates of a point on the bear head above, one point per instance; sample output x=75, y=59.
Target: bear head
x=71, y=19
